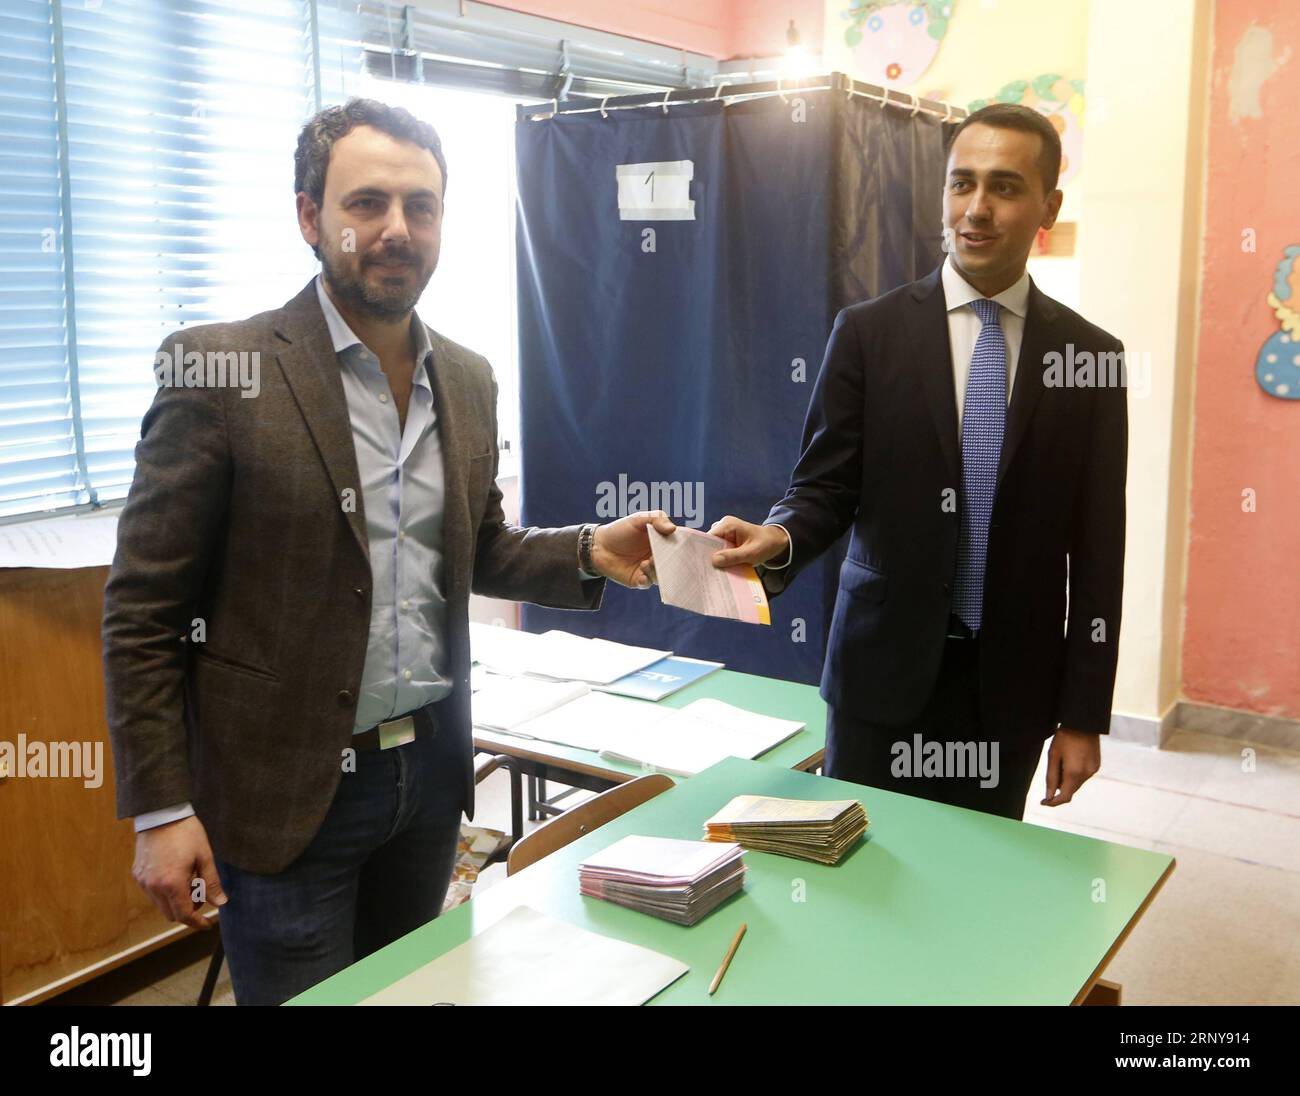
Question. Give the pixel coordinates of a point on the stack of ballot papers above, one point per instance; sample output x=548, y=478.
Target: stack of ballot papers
x=820, y=830
x=680, y=881
x=558, y=655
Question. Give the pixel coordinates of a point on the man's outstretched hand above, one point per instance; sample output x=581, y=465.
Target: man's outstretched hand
x=621, y=549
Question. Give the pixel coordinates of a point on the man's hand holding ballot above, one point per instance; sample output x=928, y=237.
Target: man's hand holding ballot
x=751, y=544
x=621, y=549
x=690, y=578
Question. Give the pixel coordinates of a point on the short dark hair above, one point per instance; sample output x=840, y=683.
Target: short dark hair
x=311, y=159
x=1027, y=120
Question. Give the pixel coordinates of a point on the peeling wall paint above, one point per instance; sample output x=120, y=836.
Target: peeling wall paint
x=1241, y=641
x=1253, y=63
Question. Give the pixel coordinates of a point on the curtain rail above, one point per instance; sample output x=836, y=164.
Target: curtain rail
x=835, y=81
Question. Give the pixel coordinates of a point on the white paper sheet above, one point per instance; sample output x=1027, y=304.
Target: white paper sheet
x=591, y=721
x=505, y=650
x=576, y=658
x=527, y=958
x=561, y=656
x=88, y=540
x=502, y=703
x=697, y=736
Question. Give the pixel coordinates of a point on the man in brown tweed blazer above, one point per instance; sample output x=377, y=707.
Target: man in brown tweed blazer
x=286, y=640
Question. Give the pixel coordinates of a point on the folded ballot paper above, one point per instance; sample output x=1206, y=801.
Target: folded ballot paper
x=688, y=579
x=819, y=830
x=680, y=881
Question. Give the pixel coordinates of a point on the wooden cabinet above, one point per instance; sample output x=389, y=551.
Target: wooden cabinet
x=69, y=908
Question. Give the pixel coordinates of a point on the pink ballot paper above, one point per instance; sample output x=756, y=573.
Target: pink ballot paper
x=688, y=579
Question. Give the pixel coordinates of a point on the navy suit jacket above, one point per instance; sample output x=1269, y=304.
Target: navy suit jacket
x=881, y=454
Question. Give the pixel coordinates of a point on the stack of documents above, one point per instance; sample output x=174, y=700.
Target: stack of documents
x=680, y=881
x=559, y=655
x=807, y=829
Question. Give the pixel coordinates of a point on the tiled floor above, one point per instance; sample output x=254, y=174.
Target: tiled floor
x=1223, y=930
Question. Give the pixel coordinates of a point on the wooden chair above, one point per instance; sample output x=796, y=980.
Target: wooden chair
x=582, y=819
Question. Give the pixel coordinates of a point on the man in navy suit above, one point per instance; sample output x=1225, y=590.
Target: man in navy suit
x=972, y=433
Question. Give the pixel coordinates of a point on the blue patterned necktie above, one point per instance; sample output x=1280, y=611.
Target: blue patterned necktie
x=983, y=422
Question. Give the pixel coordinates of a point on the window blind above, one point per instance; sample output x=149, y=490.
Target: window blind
x=147, y=186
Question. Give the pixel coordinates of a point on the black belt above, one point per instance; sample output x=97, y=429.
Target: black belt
x=398, y=732
x=957, y=628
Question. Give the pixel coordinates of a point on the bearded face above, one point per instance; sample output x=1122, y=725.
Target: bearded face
x=378, y=229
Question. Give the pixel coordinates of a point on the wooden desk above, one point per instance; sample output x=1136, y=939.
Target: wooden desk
x=939, y=906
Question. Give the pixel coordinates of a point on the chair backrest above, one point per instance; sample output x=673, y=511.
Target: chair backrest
x=585, y=817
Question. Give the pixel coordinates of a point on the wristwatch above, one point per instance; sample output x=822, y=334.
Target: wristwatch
x=586, y=540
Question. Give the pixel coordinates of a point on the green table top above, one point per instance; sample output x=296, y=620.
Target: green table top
x=780, y=699
x=938, y=905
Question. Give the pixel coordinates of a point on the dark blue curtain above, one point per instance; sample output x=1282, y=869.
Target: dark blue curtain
x=681, y=375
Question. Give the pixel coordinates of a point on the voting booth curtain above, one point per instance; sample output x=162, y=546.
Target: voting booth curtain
x=679, y=273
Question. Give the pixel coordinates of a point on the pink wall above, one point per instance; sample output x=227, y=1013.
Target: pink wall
x=717, y=28
x=758, y=26
x=1242, y=630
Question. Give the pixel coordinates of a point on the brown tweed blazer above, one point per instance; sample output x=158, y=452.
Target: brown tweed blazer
x=236, y=517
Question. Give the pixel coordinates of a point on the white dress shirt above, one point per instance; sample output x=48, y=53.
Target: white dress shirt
x=963, y=330
x=964, y=326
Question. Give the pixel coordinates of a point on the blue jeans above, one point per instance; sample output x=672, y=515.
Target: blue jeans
x=378, y=868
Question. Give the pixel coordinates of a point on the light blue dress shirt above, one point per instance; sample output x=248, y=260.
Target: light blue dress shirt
x=402, y=489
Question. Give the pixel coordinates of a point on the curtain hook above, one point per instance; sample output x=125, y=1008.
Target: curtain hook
x=884, y=97
x=947, y=112
x=555, y=107
x=916, y=104
x=603, y=112
x=849, y=92
x=779, y=91
x=719, y=91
